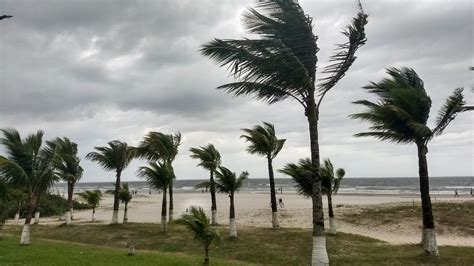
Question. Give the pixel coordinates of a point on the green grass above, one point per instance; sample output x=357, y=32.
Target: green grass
x=458, y=216
x=47, y=252
x=253, y=246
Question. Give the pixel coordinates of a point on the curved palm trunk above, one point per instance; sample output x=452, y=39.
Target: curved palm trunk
x=206, y=252
x=25, y=234
x=213, y=200
x=429, y=234
x=125, y=213
x=275, y=222
x=116, y=198
x=332, y=223
x=232, y=225
x=164, y=227
x=37, y=209
x=170, y=218
x=319, y=253
x=70, y=190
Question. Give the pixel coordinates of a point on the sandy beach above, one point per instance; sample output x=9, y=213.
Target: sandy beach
x=254, y=210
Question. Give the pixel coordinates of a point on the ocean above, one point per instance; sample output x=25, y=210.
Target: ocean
x=394, y=185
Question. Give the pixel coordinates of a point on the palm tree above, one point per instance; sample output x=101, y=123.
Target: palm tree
x=26, y=166
x=198, y=223
x=400, y=115
x=157, y=146
x=116, y=157
x=281, y=65
x=3, y=206
x=18, y=196
x=210, y=159
x=159, y=176
x=263, y=141
x=125, y=196
x=93, y=198
x=68, y=167
x=228, y=183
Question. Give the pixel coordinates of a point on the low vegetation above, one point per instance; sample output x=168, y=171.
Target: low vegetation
x=253, y=246
x=458, y=217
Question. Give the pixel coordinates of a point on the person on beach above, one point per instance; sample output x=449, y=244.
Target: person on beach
x=456, y=193
x=280, y=202
x=471, y=193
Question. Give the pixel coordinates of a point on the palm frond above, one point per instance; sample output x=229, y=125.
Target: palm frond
x=453, y=106
x=302, y=174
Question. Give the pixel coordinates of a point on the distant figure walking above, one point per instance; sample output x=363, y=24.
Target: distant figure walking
x=456, y=195
x=280, y=203
x=472, y=195
x=281, y=190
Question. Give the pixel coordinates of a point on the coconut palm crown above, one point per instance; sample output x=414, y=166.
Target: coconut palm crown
x=210, y=159
x=401, y=115
x=114, y=157
x=93, y=198
x=281, y=64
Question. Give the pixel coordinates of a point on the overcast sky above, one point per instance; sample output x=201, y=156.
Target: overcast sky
x=96, y=71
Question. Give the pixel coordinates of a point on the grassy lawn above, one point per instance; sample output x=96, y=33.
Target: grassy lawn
x=254, y=246
x=456, y=216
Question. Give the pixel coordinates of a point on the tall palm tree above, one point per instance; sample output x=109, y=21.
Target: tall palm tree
x=400, y=115
x=157, y=146
x=68, y=168
x=116, y=157
x=228, y=183
x=93, y=198
x=159, y=176
x=198, y=223
x=26, y=166
x=125, y=196
x=263, y=141
x=281, y=65
x=210, y=159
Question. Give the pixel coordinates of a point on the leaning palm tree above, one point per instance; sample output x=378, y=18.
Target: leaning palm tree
x=263, y=141
x=157, y=146
x=400, y=115
x=228, y=183
x=27, y=166
x=68, y=168
x=210, y=159
x=125, y=196
x=93, y=198
x=116, y=157
x=331, y=180
x=198, y=223
x=281, y=65
x=159, y=176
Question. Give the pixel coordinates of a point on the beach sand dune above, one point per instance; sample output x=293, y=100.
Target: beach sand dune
x=254, y=210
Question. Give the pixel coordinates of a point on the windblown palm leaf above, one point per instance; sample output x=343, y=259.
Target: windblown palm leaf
x=159, y=146
x=263, y=140
x=125, y=195
x=209, y=156
x=198, y=223
x=227, y=181
x=301, y=173
x=117, y=156
x=92, y=197
x=157, y=175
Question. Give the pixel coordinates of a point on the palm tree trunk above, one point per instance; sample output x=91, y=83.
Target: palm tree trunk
x=116, y=198
x=332, y=223
x=213, y=200
x=17, y=214
x=125, y=214
x=70, y=188
x=319, y=252
x=25, y=234
x=429, y=234
x=170, y=218
x=232, y=225
x=275, y=223
x=163, y=212
x=206, y=252
x=37, y=209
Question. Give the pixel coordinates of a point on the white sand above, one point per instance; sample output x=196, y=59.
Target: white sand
x=254, y=210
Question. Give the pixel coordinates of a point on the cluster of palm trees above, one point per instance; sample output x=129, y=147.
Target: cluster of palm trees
x=282, y=65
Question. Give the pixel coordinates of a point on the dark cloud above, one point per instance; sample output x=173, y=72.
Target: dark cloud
x=102, y=70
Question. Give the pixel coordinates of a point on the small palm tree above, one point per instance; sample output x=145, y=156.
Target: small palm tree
x=263, y=141
x=27, y=166
x=400, y=115
x=68, y=167
x=18, y=196
x=159, y=176
x=280, y=65
x=301, y=174
x=228, y=183
x=160, y=147
x=198, y=223
x=125, y=196
x=93, y=198
x=210, y=159
x=116, y=157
